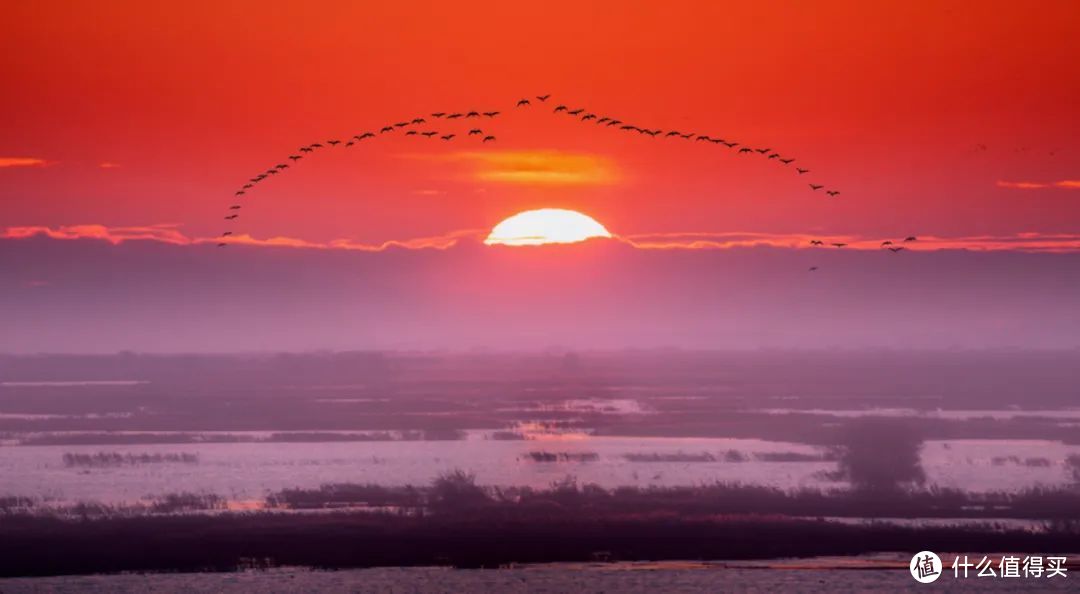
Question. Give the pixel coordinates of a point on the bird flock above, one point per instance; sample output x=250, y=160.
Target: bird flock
x=446, y=126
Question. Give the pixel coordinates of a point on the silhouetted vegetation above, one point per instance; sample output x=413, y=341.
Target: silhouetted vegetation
x=878, y=454
x=541, y=456
x=108, y=459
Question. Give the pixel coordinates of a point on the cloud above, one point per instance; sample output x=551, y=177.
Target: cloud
x=1066, y=184
x=170, y=233
x=535, y=167
x=1029, y=241
x=22, y=162
x=1024, y=242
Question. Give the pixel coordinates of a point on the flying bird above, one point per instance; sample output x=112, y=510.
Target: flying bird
x=885, y=243
x=815, y=187
x=745, y=150
x=295, y=157
x=316, y=145
x=896, y=249
x=307, y=150
x=543, y=98
x=473, y=114
x=386, y=129
x=763, y=151
x=350, y=143
x=411, y=133
x=281, y=166
x=240, y=193
x=453, y=116
x=429, y=134
x=786, y=161
x=438, y=114
x=911, y=238
x=802, y=171
x=246, y=186
x=774, y=156
x=813, y=268
x=419, y=121
x=523, y=102
x=333, y=142
x=475, y=131
x=672, y=133
x=576, y=111
x=816, y=242
x=487, y=138
x=234, y=207
x=226, y=234
x=588, y=116
x=839, y=245
x=491, y=114
x=559, y=108
x=231, y=217
x=448, y=136
x=832, y=192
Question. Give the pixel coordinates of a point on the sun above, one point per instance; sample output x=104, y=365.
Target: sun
x=546, y=225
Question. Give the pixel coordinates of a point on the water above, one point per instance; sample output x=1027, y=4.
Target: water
x=802, y=576
x=248, y=471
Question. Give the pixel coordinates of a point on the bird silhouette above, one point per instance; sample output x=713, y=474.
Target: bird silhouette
x=234, y=207
x=281, y=166
x=774, y=156
x=885, y=243
x=672, y=133
x=523, y=102
x=448, y=136
x=295, y=157
x=802, y=171
x=704, y=137
x=475, y=131
x=896, y=249
x=386, y=129
x=816, y=242
x=832, y=192
x=438, y=114
x=763, y=151
x=491, y=114
x=602, y=120
x=615, y=122
x=272, y=171
x=429, y=134
x=231, y=217
x=575, y=111
x=686, y=136
x=246, y=186
x=813, y=268
x=786, y=161
x=815, y=187
x=839, y=245
x=350, y=143
x=473, y=114
x=588, y=116
x=307, y=150
x=240, y=193
x=745, y=150
x=419, y=121
x=487, y=138
x=559, y=108
x=226, y=234
x=411, y=133
x=316, y=145
x=543, y=98
x=454, y=116
x=911, y=238
x=731, y=144
x=333, y=142
x=401, y=124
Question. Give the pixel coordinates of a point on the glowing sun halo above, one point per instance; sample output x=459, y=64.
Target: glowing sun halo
x=547, y=225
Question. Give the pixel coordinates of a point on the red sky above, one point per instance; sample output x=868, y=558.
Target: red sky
x=932, y=118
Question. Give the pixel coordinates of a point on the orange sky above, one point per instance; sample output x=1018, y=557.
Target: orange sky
x=949, y=119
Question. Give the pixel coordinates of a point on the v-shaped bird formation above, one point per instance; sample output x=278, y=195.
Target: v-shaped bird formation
x=444, y=126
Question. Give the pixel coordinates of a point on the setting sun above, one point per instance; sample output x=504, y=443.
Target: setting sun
x=546, y=225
